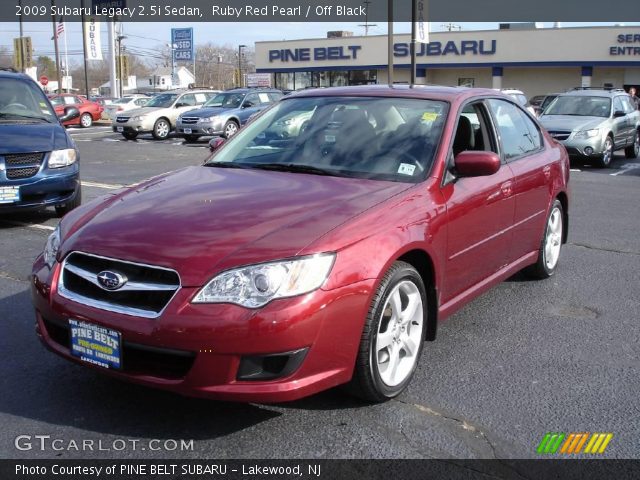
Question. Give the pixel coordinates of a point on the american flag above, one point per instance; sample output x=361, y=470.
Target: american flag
x=60, y=28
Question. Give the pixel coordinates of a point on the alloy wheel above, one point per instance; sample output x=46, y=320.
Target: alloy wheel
x=553, y=242
x=231, y=129
x=607, y=152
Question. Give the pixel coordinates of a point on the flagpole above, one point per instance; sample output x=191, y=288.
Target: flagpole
x=413, y=42
x=55, y=44
x=84, y=50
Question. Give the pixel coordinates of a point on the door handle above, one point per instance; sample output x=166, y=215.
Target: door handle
x=547, y=171
x=506, y=188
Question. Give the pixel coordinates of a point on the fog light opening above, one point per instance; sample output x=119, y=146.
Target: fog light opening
x=588, y=151
x=270, y=367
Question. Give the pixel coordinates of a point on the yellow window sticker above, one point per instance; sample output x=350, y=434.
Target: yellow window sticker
x=429, y=117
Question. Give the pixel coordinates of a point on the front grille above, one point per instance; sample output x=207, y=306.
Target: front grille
x=19, y=159
x=147, y=291
x=560, y=134
x=190, y=120
x=122, y=119
x=136, y=358
x=16, y=173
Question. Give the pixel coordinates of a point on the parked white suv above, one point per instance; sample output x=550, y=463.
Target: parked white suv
x=124, y=104
x=519, y=96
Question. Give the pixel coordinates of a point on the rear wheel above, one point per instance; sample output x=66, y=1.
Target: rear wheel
x=62, y=210
x=161, y=129
x=86, y=120
x=607, y=153
x=632, y=151
x=393, y=336
x=130, y=135
x=549, y=252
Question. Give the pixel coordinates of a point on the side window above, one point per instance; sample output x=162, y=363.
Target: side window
x=188, y=100
x=264, y=98
x=275, y=96
x=70, y=100
x=628, y=106
x=253, y=99
x=141, y=101
x=474, y=130
x=617, y=105
x=518, y=134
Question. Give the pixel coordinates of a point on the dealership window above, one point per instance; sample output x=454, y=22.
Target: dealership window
x=285, y=81
x=466, y=82
x=321, y=79
x=363, y=77
x=302, y=80
x=339, y=79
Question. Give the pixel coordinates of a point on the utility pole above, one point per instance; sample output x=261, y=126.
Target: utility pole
x=22, y=56
x=366, y=24
x=113, y=85
x=390, y=41
x=412, y=48
x=55, y=44
x=120, y=64
x=240, y=47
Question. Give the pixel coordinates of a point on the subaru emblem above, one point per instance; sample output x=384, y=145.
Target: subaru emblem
x=111, y=280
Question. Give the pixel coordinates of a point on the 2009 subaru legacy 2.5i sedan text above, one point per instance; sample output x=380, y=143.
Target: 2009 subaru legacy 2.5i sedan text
x=286, y=266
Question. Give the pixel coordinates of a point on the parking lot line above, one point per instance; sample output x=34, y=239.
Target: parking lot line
x=37, y=226
x=108, y=186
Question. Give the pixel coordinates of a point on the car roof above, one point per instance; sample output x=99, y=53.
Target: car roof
x=432, y=92
x=594, y=92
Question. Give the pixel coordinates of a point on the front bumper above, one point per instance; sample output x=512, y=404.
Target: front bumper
x=44, y=189
x=201, y=128
x=584, y=148
x=138, y=126
x=198, y=349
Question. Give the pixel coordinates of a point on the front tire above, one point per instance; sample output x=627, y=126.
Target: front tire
x=607, y=153
x=62, y=210
x=633, y=151
x=230, y=129
x=86, y=120
x=393, y=336
x=130, y=135
x=551, y=245
x=161, y=129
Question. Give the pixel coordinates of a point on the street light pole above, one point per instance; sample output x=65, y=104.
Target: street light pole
x=240, y=47
x=120, y=38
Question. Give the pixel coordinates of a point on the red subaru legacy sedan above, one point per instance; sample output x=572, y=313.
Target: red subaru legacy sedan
x=291, y=263
x=89, y=111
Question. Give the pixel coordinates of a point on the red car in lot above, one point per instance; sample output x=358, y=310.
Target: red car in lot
x=286, y=266
x=89, y=111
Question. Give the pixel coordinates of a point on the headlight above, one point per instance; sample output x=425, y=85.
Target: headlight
x=62, y=158
x=139, y=118
x=587, y=133
x=256, y=285
x=208, y=119
x=51, y=247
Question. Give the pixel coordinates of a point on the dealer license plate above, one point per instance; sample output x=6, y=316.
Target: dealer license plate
x=187, y=130
x=94, y=344
x=9, y=194
x=120, y=129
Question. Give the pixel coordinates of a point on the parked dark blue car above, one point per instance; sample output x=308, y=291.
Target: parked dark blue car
x=39, y=162
x=225, y=113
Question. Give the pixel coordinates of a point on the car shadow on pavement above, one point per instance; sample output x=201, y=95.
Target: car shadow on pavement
x=38, y=385
x=31, y=217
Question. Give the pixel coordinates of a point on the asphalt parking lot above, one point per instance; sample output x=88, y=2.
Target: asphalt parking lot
x=524, y=359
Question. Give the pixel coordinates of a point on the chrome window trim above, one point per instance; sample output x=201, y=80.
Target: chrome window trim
x=101, y=305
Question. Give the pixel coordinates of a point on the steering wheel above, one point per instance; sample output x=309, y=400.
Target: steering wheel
x=17, y=105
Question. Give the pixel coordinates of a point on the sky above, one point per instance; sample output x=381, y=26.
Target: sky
x=147, y=38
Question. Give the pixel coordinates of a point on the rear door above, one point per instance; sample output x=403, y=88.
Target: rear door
x=480, y=210
x=620, y=124
x=522, y=148
x=250, y=105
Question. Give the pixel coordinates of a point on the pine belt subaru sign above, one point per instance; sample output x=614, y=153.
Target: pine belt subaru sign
x=182, y=41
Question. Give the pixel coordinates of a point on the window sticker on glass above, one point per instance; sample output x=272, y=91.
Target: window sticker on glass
x=406, y=169
x=330, y=138
x=201, y=97
x=429, y=116
x=264, y=98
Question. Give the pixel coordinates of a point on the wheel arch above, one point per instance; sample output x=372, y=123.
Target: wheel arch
x=564, y=201
x=162, y=117
x=423, y=263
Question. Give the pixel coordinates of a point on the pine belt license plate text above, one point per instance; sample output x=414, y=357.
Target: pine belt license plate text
x=187, y=130
x=9, y=194
x=94, y=344
x=120, y=129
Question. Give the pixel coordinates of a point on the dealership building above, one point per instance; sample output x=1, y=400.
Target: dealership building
x=535, y=60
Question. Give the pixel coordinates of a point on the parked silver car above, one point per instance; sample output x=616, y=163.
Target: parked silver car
x=159, y=115
x=593, y=123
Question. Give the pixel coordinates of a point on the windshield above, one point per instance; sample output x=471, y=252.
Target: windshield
x=21, y=100
x=547, y=100
x=226, y=100
x=377, y=138
x=163, y=100
x=123, y=100
x=580, y=106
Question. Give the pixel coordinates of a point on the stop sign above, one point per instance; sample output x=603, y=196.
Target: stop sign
x=44, y=80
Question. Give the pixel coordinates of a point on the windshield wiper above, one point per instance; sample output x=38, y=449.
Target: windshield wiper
x=292, y=167
x=29, y=117
x=226, y=165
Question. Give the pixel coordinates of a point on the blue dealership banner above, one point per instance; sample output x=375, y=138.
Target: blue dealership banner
x=182, y=41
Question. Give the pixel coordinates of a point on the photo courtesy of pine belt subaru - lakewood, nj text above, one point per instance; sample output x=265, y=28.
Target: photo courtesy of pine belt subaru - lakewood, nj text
x=39, y=162
x=290, y=264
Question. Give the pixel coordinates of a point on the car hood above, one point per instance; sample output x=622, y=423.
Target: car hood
x=145, y=111
x=570, y=122
x=32, y=137
x=202, y=220
x=206, y=112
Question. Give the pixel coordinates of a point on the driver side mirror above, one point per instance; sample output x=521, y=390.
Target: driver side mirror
x=70, y=113
x=471, y=163
x=181, y=104
x=618, y=114
x=247, y=104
